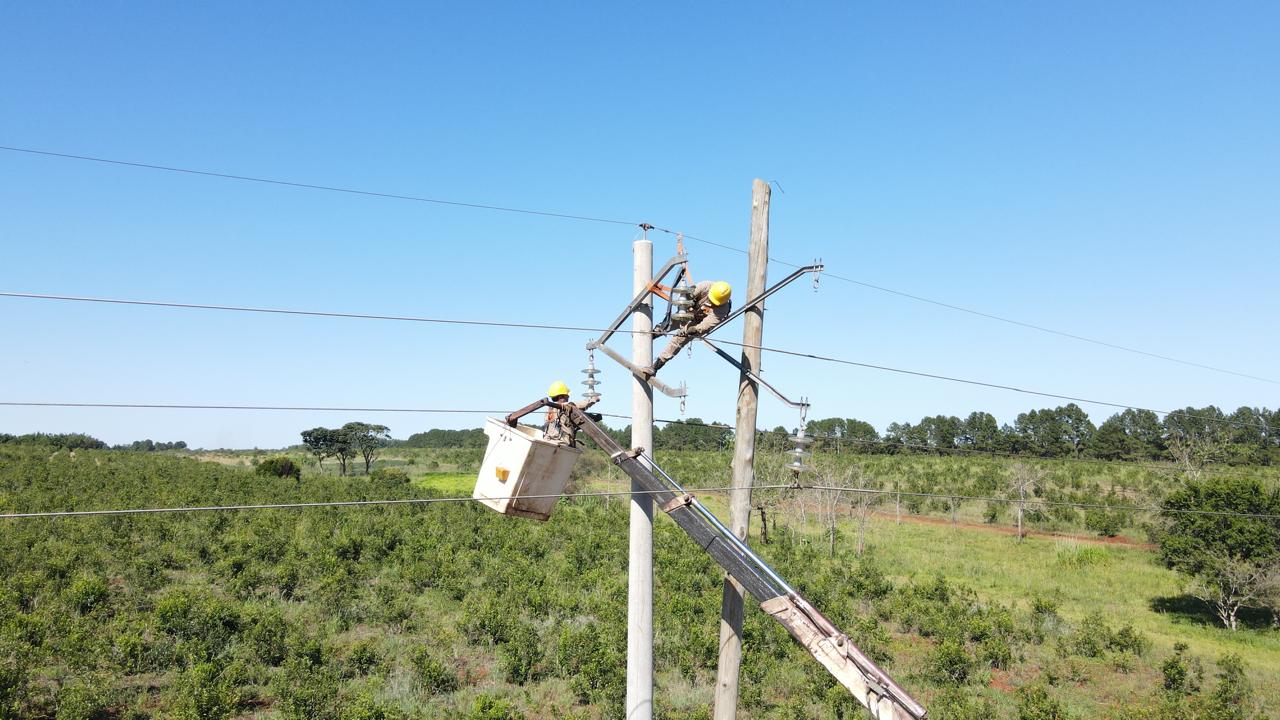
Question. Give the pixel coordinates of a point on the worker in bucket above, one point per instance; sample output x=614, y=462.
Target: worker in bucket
x=560, y=427
x=711, y=306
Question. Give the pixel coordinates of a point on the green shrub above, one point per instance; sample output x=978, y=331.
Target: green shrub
x=1130, y=640
x=1233, y=695
x=279, y=466
x=207, y=691
x=1182, y=675
x=592, y=658
x=432, y=675
x=363, y=659
x=307, y=690
x=950, y=663
x=1092, y=638
x=954, y=704
x=521, y=655
x=491, y=708
x=390, y=476
x=87, y=593
x=266, y=634
x=1035, y=703
x=85, y=699
x=489, y=621
x=199, y=623
x=364, y=707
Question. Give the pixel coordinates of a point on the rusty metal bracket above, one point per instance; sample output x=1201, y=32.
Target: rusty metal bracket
x=677, y=502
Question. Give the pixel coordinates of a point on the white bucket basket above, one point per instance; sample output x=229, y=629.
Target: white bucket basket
x=519, y=467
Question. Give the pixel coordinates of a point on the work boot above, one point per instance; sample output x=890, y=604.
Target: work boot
x=646, y=372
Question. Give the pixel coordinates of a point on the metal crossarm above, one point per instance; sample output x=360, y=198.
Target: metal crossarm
x=754, y=376
x=869, y=685
x=815, y=268
x=677, y=261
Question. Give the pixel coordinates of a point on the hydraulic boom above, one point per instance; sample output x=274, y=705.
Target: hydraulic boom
x=870, y=685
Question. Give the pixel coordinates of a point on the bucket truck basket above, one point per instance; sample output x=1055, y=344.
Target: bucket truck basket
x=522, y=474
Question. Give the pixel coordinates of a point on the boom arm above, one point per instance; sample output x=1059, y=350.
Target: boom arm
x=870, y=685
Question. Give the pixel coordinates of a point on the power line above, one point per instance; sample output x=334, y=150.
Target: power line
x=574, y=328
x=286, y=408
x=306, y=313
x=326, y=188
x=998, y=386
x=992, y=316
x=612, y=221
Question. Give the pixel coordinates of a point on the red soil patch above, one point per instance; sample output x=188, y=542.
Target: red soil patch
x=1090, y=539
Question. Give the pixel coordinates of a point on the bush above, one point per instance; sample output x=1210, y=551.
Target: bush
x=491, y=708
x=364, y=707
x=207, y=691
x=522, y=655
x=87, y=593
x=432, y=675
x=1035, y=703
x=390, y=475
x=950, y=663
x=1182, y=675
x=363, y=659
x=279, y=466
x=1129, y=640
x=86, y=699
x=1092, y=638
x=955, y=704
x=307, y=689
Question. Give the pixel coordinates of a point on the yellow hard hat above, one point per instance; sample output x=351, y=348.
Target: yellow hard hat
x=557, y=388
x=720, y=292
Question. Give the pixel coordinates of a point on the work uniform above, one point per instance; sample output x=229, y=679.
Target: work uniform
x=560, y=427
x=705, y=317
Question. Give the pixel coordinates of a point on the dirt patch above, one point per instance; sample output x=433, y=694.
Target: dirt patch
x=1002, y=530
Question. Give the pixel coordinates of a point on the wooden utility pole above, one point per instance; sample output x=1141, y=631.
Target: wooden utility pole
x=744, y=453
x=640, y=559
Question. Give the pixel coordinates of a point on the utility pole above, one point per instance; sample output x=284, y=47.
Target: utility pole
x=640, y=559
x=744, y=453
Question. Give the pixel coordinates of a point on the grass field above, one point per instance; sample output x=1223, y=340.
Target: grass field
x=1124, y=584
x=453, y=484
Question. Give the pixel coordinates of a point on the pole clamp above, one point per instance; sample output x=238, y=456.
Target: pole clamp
x=677, y=502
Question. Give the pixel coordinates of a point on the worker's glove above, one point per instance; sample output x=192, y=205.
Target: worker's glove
x=597, y=417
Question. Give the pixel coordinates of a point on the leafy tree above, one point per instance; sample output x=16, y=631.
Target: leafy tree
x=367, y=439
x=321, y=442
x=1079, y=430
x=860, y=430
x=1130, y=435
x=1233, y=559
x=980, y=431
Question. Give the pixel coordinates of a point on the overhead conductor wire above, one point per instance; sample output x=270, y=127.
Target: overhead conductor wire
x=576, y=328
x=614, y=221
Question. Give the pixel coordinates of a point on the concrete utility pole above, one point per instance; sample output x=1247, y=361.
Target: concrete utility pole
x=744, y=453
x=640, y=560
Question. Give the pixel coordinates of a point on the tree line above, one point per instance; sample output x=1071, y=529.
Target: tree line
x=1194, y=436
x=80, y=441
x=1248, y=436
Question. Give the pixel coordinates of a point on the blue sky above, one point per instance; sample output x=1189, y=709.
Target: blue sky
x=1105, y=169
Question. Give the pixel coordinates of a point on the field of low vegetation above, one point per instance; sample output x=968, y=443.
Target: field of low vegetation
x=448, y=610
